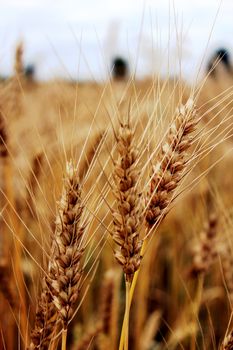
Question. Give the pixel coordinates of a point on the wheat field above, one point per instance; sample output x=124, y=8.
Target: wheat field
x=116, y=213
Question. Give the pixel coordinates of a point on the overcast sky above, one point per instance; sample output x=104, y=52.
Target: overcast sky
x=78, y=38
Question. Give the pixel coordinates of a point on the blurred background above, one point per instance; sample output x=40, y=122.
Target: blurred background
x=80, y=39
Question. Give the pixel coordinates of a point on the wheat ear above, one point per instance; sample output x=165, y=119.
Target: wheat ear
x=171, y=163
x=127, y=217
x=64, y=271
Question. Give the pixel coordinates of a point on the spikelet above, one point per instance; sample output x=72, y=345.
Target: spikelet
x=206, y=251
x=67, y=249
x=128, y=214
x=171, y=163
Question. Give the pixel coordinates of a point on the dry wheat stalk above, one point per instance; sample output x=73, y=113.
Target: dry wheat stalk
x=171, y=163
x=68, y=246
x=127, y=216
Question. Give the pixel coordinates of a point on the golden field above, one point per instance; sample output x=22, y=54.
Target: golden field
x=137, y=169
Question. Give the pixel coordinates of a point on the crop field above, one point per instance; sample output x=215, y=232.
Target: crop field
x=116, y=213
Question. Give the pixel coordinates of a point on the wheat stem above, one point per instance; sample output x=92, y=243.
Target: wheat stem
x=127, y=311
x=64, y=338
x=131, y=294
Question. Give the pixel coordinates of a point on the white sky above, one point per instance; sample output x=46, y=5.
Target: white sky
x=78, y=38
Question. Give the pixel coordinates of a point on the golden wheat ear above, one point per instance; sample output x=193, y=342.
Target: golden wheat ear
x=127, y=215
x=61, y=288
x=171, y=163
x=65, y=269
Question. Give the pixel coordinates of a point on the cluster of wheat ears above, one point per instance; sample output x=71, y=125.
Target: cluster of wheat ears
x=104, y=192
